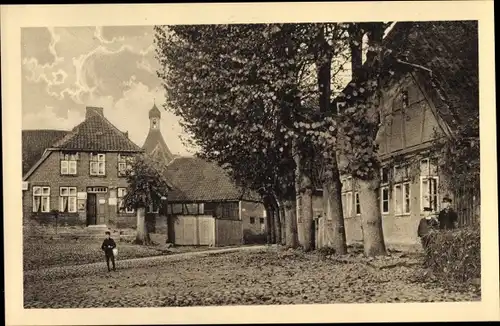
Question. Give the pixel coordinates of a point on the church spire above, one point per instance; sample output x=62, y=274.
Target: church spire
x=154, y=118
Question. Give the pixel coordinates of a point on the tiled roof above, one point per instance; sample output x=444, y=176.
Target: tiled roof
x=34, y=143
x=155, y=146
x=96, y=133
x=199, y=180
x=450, y=50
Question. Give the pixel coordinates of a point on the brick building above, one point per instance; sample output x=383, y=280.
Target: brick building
x=434, y=89
x=79, y=173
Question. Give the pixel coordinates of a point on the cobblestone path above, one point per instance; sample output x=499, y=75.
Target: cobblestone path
x=253, y=275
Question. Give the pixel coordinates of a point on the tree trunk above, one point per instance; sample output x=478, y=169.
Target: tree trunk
x=334, y=219
x=290, y=209
x=269, y=228
x=272, y=225
x=142, y=231
x=307, y=218
x=283, y=224
x=277, y=224
x=333, y=225
x=170, y=229
x=371, y=220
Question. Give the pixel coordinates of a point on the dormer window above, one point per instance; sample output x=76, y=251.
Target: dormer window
x=97, y=164
x=68, y=163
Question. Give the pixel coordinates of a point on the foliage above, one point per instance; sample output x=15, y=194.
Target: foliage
x=146, y=183
x=455, y=256
x=245, y=102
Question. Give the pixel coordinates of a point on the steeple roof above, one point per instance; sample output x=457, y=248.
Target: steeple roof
x=154, y=112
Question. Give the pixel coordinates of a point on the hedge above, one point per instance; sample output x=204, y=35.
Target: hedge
x=455, y=255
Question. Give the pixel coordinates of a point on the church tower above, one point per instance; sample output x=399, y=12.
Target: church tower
x=155, y=145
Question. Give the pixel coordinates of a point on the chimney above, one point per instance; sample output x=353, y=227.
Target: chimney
x=92, y=111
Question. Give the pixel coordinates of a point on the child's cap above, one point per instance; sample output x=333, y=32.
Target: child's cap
x=107, y=232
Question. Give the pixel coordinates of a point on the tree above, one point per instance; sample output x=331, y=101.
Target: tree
x=248, y=105
x=360, y=124
x=146, y=187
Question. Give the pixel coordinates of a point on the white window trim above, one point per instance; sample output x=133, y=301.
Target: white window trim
x=422, y=192
x=403, y=196
x=69, y=198
x=101, y=159
x=41, y=196
x=68, y=164
x=382, y=200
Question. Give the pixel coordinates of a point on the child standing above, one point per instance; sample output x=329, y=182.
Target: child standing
x=107, y=246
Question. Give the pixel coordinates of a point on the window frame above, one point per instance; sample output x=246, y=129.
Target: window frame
x=70, y=198
x=126, y=161
x=120, y=206
x=68, y=159
x=436, y=195
x=382, y=188
x=41, y=196
x=100, y=160
x=357, y=204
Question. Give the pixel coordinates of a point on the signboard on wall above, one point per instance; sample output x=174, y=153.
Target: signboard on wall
x=24, y=185
x=81, y=205
x=112, y=201
x=102, y=201
x=81, y=195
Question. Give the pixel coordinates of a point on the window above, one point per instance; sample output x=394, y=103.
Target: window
x=67, y=199
x=190, y=209
x=97, y=164
x=357, y=203
x=68, y=165
x=41, y=199
x=402, y=198
x=261, y=220
x=429, y=182
x=230, y=211
x=122, y=192
x=429, y=193
x=401, y=190
x=252, y=220
x=176, y=209
x=384, y=175
x=347, y=194
x=124, y=164
x=384, y=198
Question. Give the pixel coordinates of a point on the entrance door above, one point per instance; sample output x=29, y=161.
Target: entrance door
x=101, y=209
x=91, y=209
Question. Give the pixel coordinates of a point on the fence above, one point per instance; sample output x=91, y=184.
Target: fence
x=467, y=205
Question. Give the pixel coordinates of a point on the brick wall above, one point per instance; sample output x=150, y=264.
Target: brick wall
x=48, y=174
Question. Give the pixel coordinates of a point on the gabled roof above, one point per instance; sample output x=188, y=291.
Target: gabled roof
x=96, y=133
x=447, y=51
x=450, y=50
x=34, y=143
x=200, y=180
x=155, y=146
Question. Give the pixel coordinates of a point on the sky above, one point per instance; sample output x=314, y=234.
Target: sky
x=66, y=69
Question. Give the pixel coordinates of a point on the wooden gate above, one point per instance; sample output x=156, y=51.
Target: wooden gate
x=195, y=231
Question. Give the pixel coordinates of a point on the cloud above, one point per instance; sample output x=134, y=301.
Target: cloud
x=112, y=67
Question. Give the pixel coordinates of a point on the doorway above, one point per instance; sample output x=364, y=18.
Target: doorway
x=91, y=209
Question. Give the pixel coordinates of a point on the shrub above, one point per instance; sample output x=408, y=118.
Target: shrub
x=455, y=256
